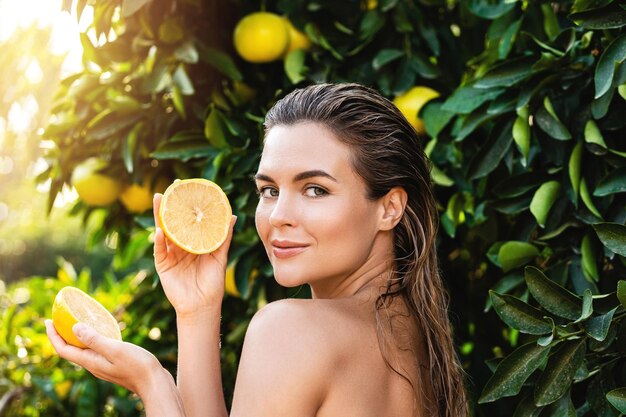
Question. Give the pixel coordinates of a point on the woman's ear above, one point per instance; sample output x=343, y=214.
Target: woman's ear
x=393, y=204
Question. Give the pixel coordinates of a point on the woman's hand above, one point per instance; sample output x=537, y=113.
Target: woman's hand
x=124, y=364
x=193, y=284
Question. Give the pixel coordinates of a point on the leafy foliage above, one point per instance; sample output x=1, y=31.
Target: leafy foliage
x=525, y=142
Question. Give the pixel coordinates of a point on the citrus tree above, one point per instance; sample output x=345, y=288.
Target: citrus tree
x=522, y=105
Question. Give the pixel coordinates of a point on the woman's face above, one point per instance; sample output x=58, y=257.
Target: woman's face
x=313, y=216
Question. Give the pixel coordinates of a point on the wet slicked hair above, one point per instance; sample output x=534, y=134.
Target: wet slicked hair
x=386, y=153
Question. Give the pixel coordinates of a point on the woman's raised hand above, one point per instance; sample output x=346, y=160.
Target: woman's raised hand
x=192, y=283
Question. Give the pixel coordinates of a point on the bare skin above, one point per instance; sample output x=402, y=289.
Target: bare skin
x=319, y=357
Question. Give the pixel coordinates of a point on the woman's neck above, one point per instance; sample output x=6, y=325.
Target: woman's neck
x=371, y=277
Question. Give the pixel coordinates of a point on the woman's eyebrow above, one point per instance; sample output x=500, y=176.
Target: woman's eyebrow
x=262, y=177
x=298, y=177
x=313, y=173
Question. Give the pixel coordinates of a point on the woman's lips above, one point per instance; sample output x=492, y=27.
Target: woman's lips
x=284, y=250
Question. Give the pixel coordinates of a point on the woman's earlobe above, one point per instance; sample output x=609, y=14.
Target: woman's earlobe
x=394, y=204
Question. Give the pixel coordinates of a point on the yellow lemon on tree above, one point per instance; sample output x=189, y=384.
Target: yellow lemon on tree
x=297, y=39
x=261, y=37
x=137, y=198
x=94, y=188
x=411, y=102
x=72, y=306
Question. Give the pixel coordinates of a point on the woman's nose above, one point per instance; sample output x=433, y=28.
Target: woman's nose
x=283, y=212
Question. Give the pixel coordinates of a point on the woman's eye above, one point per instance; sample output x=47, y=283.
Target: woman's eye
x=268, y=192
x=315, y=191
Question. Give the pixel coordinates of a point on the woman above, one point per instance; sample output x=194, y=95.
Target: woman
x=345, y=206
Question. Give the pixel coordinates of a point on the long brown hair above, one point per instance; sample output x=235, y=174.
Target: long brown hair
x=387, y=153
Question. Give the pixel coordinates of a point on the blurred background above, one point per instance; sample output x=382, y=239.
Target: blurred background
x=39, y=45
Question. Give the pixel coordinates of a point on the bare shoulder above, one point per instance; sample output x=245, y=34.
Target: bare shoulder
x=287, y=360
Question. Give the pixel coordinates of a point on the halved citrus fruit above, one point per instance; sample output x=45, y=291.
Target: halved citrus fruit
x=71, y=306
x=195, y=214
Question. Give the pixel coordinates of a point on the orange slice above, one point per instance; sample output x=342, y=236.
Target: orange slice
x=71, y=306
x=195, y=214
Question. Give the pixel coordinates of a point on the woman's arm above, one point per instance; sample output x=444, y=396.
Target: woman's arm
x=199, y=370
x=124, y=364
x=194, y=285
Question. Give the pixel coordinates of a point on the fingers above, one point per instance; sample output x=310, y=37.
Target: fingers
x=84, y=357
x=94, y=340
x=160, y=247
x=156, y=203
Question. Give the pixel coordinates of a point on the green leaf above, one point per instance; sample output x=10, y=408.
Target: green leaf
x=613, y=236
x=294, y=66
x=128, y=149
x=440, y=178
x=584, y=195
x=527, y=408
x=554, y=298
x=466, y=99
x=587, y=309
x=548, y=122
x=507, y=74
x=613, y=55
x=182, y=81
x=557, y=377
x=220, y=61
x=583, y=5
x=423, y=67
x=157, y=80
x=593, y=134
x=590, y=268
x=372, y=22
x=614, y=182
x=521, y=136
x=609, y=17
x=179, y=102
x=490, y=9
x=517, y=185
x=491, y=153
x=184, y=150
x=617, y=398
x=506, y=284
x=550, y=21
x=213, y=128
x=435, y=118
x=600, y=106
x=543, y=200
x=513, y=254
x=187, y=53
x=108, y=123
x=621, y=292
x=564, y=407
x=598, y=327
x=513, y=371
x=574, y=165
x=519, y=315
x=386, y=56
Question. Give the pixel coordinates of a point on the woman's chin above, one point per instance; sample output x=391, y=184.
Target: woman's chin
x=288, y=281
